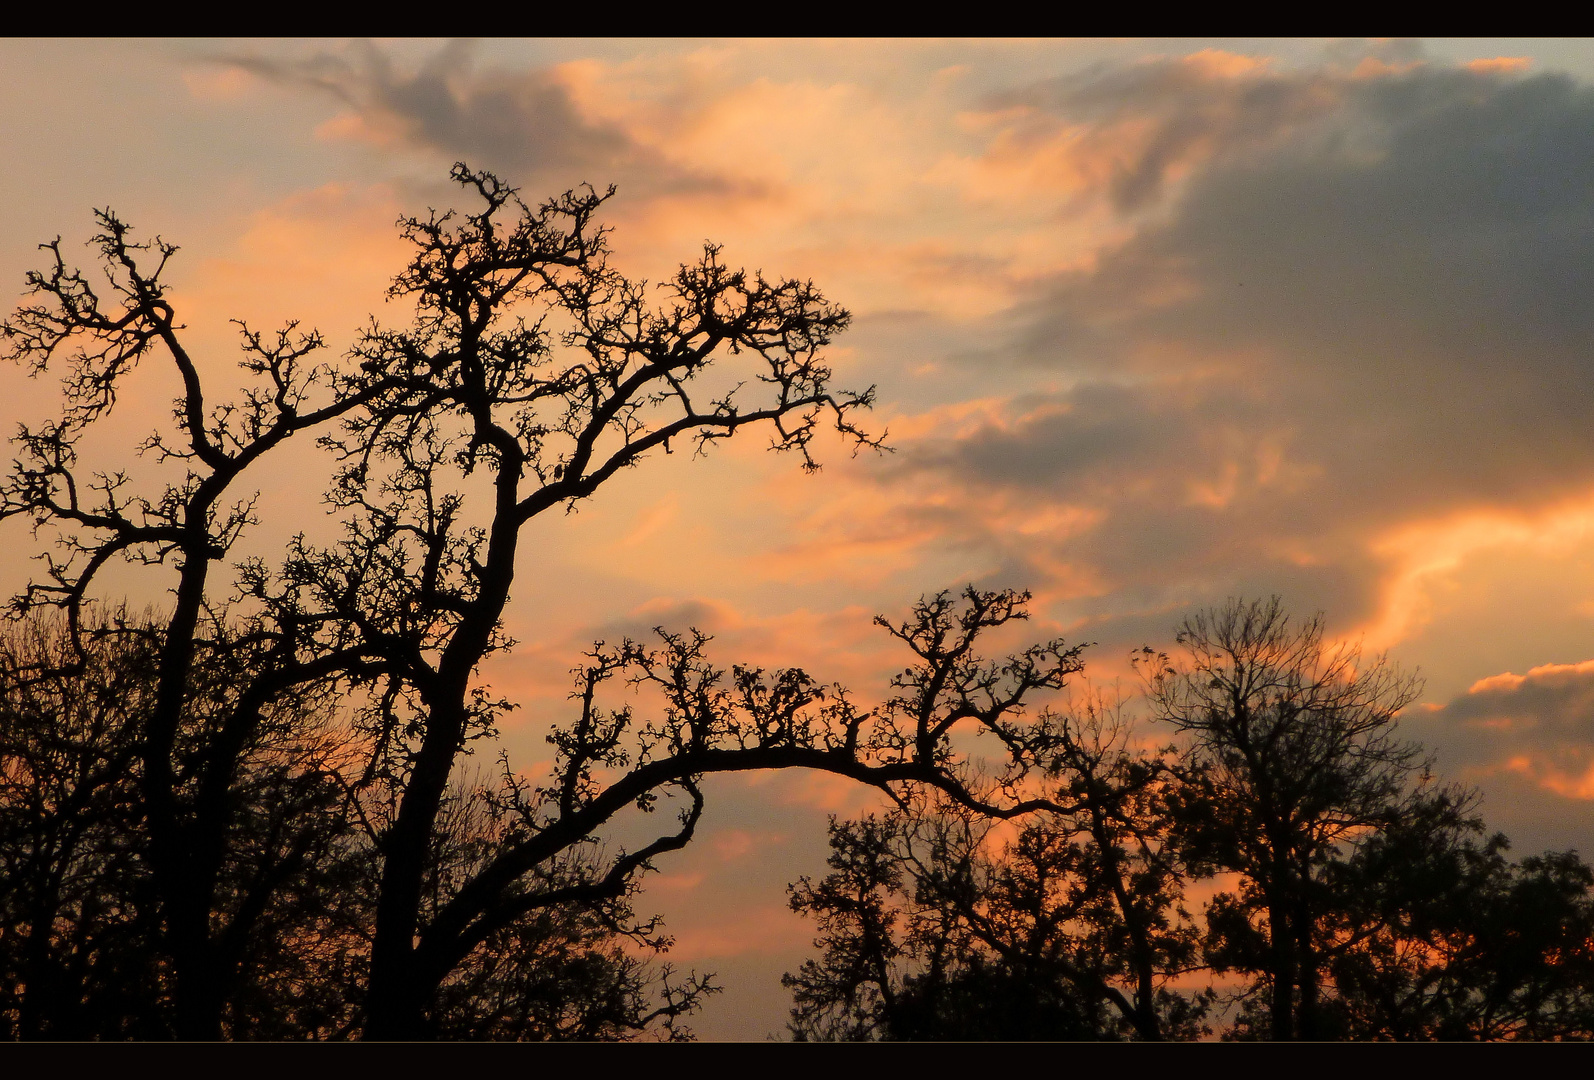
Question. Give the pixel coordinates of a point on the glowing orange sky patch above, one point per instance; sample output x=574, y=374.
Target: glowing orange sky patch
x=1222, y=64
x=1569, y=785
x=742, y=931
x=826, y=792
x=1500, y=65
x=217, y=83
x=1506, y=681
x=1421, y=555
x=324, y=256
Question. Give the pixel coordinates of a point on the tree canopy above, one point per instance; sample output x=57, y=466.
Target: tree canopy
x=1368, y=902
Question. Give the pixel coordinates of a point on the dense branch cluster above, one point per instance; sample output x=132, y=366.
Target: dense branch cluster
x=1367, y=903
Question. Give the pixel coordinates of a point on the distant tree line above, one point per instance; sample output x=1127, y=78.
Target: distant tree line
x=1349, y=894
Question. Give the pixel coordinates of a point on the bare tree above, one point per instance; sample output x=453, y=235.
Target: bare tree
x=532, y=374
x=710, y=720
x=74, y=905
x=1293, y=759
x=81, y=953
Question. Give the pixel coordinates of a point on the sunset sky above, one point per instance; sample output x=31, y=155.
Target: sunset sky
x=1152, y=323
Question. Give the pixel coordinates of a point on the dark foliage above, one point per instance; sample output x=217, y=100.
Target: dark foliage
x=83, y=936
x=1447, y=939
x=1369, y=904
x=1292, y=763
x=930, y=928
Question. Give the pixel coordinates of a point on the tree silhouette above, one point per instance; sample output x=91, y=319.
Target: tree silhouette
x=1369, y=905
x=1292, y=760
x=1446, y=939
x=81, y=910
x=186, y=802
x=80, y=947
x=75, y=914
x=532, y=374
x=932, y=929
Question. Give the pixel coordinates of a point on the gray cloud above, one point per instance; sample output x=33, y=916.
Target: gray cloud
x=1421, y=307
x=522, y=124
x=1529, y=742
x=1352, y=317
x=1153, y=117
x=1548, y=714
x=675, y=616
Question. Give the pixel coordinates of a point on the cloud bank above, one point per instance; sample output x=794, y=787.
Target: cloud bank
x=1360, y=306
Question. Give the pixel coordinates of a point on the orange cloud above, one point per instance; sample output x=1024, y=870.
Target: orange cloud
x=809, y=163
x=1422, y=557
x=1500, y=65
x=674, y=883
x=379, y=129
x=1552, y=673
x=1539, y=726
x=218, y=83
x=323, y=256
x=827, y=793
x=1119, y=142
x=1222, y=64
x=745, y=930
x=1549, y=771
x=735, y=845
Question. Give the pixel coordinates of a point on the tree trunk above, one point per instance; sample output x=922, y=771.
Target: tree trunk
x=1307, y=1019
x=1282, y=970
